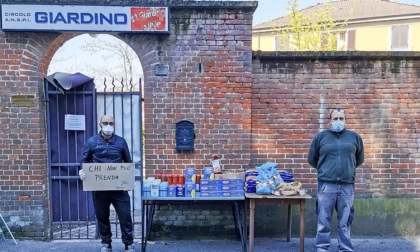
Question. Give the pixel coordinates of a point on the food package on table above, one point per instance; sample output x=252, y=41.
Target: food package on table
x=251, y=180
x=268, y=178
x=251, y=174
x=290, y=189
x=286, y=176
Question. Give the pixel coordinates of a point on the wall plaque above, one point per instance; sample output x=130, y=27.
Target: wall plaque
x=23, y=100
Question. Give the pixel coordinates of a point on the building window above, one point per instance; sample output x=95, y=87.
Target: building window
x=341, y=41
x=399, y=37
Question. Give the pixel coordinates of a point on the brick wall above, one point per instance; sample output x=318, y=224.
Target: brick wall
x=194, y=222
x=209, y=84
x=23, y=177
x=208, y=57
x=249, y=111
x=293, y=93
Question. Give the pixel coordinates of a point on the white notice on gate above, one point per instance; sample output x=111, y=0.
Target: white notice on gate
x=74, y=122
x=108, y=176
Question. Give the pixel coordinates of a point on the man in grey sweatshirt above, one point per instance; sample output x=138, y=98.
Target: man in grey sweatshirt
x=335, y=153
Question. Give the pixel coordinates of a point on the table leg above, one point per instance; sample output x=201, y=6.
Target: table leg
x=302, y=225
x=148, y=210
x=149, y=221
x=289, y=222
x=244, y=221
x=143, y=225
x=237, y=220
x=251, y=224
x=238, y=209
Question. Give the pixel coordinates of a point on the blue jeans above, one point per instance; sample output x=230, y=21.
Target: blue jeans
x=339, y=197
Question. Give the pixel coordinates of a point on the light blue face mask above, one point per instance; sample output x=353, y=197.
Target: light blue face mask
x=337, y=126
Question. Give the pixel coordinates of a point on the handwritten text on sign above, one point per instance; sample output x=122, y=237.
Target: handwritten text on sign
x=108, y=176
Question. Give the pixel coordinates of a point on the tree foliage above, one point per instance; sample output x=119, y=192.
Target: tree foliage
x=103, y=57
x=318, y=32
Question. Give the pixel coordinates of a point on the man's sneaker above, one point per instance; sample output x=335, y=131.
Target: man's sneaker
x=106, y=248
x=129, y=248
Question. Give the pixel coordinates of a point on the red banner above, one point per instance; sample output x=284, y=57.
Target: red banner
x=149, y=19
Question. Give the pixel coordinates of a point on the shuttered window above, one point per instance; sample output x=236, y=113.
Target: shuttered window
x=351, y=43
x=399, y=37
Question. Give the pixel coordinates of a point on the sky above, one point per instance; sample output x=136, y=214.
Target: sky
x=271, y=9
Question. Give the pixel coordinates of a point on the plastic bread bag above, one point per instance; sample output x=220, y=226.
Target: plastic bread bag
x=267, y=178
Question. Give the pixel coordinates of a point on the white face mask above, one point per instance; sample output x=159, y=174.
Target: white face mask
x=108, y=130
x=337, y=126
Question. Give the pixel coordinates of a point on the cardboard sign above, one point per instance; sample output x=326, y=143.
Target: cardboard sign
x=108, y=176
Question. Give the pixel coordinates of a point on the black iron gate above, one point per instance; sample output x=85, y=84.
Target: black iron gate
x=74, y=106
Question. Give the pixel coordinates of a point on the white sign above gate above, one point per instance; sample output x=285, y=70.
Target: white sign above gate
x=31, y=17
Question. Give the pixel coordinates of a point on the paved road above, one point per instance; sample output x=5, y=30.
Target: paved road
x=366, y=244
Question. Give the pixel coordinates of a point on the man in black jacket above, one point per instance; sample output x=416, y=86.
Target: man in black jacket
x=106, y=147
x=335, y=153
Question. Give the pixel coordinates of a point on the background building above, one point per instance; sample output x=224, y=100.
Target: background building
x=374, y=25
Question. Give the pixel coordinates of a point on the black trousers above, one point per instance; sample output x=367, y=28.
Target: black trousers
x=102, y=201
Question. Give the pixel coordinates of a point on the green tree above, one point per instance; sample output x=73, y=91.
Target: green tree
x=317, y=32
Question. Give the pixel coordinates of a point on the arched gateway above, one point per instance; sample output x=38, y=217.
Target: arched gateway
x=197, y=66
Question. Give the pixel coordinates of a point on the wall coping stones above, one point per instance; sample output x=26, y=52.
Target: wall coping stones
x=172, y=3
x=368, y=55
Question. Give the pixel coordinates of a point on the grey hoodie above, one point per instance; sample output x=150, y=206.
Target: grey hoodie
x=336, y=155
